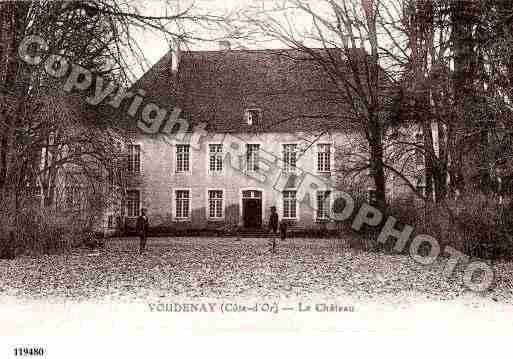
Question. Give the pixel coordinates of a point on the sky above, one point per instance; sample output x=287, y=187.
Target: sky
x=155, y=45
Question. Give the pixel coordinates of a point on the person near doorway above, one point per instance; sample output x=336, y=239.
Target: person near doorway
x=142, y=230
x=273, y=227
x=283, y=230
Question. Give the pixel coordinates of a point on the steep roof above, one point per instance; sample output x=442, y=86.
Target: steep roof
x=159, y=83
x=291, y=89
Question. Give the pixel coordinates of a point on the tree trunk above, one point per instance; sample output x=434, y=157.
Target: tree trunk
x=377, y=168
x=375, y=126
x=429, y=157
x=440, y=170
x=8, y=69
x=463, y=20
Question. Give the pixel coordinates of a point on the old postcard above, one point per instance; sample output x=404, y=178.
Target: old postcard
x=282, y=178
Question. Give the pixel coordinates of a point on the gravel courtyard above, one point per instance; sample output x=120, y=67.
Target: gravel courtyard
x=97, y=293
x=226, y=268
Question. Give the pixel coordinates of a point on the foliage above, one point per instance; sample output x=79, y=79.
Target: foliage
x=476, y=224
x=53, y=146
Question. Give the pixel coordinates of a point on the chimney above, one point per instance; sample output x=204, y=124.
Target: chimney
x=175, y=54
x=224, y=45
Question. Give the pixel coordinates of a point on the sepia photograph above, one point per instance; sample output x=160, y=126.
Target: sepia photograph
x=291, y=178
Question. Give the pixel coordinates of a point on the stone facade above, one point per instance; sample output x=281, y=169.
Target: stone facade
x=276, y=101
x=158, y=180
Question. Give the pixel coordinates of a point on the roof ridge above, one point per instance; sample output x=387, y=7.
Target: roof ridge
x=269, y=50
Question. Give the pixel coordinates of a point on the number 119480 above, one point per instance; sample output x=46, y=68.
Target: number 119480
x=18, y=352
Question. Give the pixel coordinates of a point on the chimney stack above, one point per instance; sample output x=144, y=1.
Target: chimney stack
x=176, y=50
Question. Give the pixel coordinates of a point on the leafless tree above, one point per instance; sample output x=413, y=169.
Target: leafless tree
x=49, y=134
x=341, y=29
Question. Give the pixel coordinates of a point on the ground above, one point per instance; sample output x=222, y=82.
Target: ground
x=227, y=268
x=98, y=298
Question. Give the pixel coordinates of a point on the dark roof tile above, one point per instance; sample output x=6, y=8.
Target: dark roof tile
x=216, y=87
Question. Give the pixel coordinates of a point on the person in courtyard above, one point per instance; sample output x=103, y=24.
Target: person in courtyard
x=273, y=227
x=283, y=230
x=142, y=230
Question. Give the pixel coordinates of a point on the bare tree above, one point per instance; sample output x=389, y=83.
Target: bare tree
x=342, y=38
x=49, y=134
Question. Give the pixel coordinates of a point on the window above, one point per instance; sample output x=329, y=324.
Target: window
x=182, y=158
x=289, y=158
x=134, y=158
x=110, y=176
x=251, y=194
x=323, y=205
x=253, y=116
x=215, y=157
x=182, y=204
x=289, y=204
x=69, y=196
x=110, y=222
x=133, y=203
x=371, y=196
x=252, y=157
x=34, y=191
x=324, y=158
x=215, y=204
x=73, y=195
x=421, y=185
x=114, y=175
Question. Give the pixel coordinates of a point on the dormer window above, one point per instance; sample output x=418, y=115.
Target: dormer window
x=253, y=116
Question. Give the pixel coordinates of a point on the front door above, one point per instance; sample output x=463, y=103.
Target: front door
x=252, y=210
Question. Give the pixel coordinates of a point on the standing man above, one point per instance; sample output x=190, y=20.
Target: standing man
x=142, y=230
x=273, y=227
